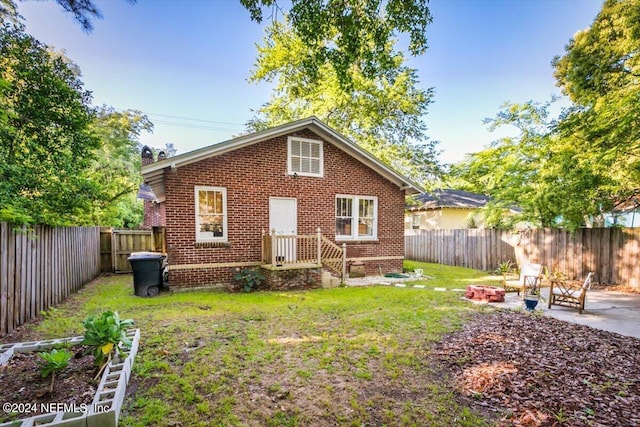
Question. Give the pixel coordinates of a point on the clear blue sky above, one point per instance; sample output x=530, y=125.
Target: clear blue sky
x=185, y=63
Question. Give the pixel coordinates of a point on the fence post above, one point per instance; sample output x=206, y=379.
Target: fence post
x=4, y=278
x=344, y=262
x=319, y=233
x=274, y=245
x=114, y=248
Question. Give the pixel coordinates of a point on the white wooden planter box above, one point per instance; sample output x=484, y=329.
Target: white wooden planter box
x=107, y=402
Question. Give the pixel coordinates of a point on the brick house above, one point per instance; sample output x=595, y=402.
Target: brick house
x=288, y=200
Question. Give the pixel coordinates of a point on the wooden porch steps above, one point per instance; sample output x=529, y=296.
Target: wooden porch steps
x=296, y=252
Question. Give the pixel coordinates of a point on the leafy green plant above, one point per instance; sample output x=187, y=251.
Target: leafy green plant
x=249, y=278
x=472, y=222
x=532, y=292
x=558, y=275
x=54, y=361
x=104, y=335
x=505, y=268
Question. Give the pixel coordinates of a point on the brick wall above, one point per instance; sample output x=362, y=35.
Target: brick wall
x=154, y=214
x=253, y=174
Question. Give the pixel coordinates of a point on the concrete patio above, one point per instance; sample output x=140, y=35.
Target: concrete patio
x=606, y=310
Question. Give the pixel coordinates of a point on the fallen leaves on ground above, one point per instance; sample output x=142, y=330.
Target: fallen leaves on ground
x=540, y=371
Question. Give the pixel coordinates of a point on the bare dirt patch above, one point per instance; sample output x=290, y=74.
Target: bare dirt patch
x=22, y=384
x=540, y=371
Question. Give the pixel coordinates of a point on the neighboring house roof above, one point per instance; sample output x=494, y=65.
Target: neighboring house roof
x=439, y=199
x=628, y=204
x=153, y=173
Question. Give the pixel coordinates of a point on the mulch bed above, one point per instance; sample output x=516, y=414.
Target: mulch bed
x=540, y=371
x=23, y=384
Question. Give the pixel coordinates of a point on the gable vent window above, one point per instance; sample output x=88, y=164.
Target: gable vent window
x=305, y=157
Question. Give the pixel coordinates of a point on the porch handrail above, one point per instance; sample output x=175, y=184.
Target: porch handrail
x=291, y=250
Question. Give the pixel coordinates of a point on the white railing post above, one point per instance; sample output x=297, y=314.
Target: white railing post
x=274, y=245
x=319, y=233
x=344, y=262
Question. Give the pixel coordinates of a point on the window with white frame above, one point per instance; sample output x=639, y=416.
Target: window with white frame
x=305, y=157
x=415, y=223
x=356, y=217
x=211, y=214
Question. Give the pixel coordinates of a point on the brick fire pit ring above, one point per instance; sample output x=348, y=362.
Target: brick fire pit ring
x=485, y=293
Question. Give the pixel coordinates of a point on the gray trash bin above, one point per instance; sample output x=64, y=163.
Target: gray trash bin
x=147, y=272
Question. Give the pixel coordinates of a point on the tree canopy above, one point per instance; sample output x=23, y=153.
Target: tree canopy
x=45, y=138
x=569, y=171
x=350, y=33
x=602, y=59
x=61, y=160
x=342, y=33
x=600, y=72
x=535, y=173
x=117, y=167
x=383, y=113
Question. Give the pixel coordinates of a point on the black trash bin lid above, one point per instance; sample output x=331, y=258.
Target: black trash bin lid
x=146, y=255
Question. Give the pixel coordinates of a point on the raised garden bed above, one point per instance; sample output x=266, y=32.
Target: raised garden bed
x=104, y=409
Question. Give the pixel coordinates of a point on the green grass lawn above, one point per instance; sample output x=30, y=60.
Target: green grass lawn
x=344, y=356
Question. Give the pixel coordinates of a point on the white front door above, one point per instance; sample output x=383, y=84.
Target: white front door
x=283, y=218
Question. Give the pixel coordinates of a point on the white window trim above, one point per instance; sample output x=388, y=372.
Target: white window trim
x=290, y=170
x=355, y=205
x=200, y=238
x=416, y=220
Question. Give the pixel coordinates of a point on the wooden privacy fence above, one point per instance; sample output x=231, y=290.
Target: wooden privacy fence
x=117, y=245
x=613, y=253
x=41, y=266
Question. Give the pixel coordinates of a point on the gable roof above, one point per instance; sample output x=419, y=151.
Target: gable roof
x=153, y=173
x=446, y=198
x=629, y=203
